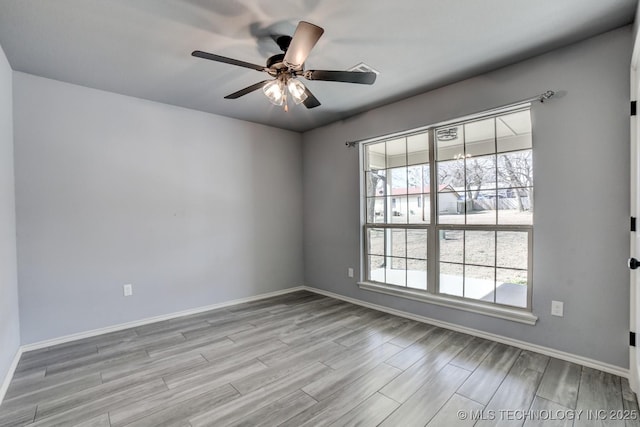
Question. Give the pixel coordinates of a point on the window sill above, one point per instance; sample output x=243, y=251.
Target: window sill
x=500, y=312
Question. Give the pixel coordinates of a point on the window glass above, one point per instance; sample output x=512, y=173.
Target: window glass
x=481, y=230
x=375, y=155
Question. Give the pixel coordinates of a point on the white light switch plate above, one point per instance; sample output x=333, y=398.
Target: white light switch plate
x=350, y=272
x=557, y=308
x=127, y=290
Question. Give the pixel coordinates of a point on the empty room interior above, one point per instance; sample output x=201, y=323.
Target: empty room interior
x=306, y=213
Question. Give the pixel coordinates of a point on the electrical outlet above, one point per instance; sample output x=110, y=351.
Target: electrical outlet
x=127, y=290
x=557, y=308
x=350, y=272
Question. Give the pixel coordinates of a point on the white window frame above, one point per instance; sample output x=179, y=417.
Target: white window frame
x=432, y=295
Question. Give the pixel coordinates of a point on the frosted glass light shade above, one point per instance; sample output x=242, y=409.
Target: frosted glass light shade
x=297, y=90
x=274, y=90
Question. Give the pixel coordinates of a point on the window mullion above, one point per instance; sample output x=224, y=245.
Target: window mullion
x=495, y=150
x=406, y=180
x=432, y=233
x=495, y=265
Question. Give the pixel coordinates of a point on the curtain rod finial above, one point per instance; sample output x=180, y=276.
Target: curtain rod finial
x=548, y=94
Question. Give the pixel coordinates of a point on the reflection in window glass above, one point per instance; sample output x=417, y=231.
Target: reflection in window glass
x=450, y=142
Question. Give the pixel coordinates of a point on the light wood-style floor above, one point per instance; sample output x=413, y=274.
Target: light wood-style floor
x=304, y=360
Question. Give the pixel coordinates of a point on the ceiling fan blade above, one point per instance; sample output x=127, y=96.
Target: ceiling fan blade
x=304, y=39
x=218, y=58
x=311, y=101
x=365, y=78
x=246, y=90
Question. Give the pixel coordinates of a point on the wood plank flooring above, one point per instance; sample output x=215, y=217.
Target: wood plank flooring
x=303, y=359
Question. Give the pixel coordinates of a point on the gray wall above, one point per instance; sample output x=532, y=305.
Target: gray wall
x=9, y=320
x=191, y=208
x=581, y=151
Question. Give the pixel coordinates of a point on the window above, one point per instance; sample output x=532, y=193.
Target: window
x=473, y=241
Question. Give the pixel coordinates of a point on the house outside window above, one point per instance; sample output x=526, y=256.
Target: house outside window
x=473, y=241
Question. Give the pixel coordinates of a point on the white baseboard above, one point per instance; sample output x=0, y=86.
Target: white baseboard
x=574, y=358
x=7, y=379
x=119, y=327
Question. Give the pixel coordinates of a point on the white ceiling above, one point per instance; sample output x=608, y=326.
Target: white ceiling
x=142, y=48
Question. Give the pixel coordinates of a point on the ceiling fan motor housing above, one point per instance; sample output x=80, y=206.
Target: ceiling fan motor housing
x=276, y=61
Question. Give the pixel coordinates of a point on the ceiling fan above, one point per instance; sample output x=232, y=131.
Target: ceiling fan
x=288, y=66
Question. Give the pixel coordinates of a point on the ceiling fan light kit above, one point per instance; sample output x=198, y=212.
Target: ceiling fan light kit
x=276, y=90
x=287, y=67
